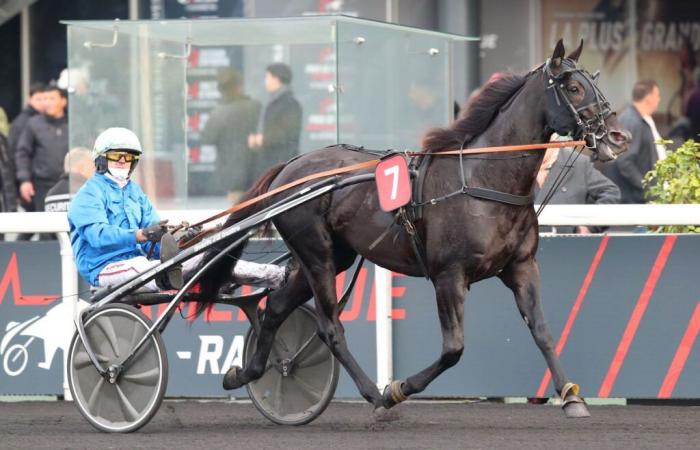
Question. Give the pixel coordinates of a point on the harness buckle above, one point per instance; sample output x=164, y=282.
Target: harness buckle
x=591, y=141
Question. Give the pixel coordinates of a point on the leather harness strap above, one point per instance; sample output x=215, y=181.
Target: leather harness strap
x=373, y=162
x=284, y=187
x=502, y=148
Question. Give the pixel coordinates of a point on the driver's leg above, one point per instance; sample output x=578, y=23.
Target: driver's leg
x=118, y=272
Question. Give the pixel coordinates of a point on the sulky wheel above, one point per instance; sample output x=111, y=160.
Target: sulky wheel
x=133, y=399
x=301, y=374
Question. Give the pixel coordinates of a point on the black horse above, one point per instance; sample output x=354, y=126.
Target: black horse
x=467, y=238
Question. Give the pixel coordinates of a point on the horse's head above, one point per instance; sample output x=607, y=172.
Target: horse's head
x=576, y=106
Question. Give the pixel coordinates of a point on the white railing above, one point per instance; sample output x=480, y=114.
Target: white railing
x=620, y=215
x=563, y=215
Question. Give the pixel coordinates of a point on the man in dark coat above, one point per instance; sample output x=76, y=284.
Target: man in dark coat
x=35, y=105
x=8, y=194
x=227, y=128
x=41, y=149
x=583, y=184
x=628, y=170
x=279, y=127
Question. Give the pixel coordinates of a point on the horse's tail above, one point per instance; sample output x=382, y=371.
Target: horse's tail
x=216, y=275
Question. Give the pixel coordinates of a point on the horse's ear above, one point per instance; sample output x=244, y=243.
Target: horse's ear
x=576, y=53
x=558, y=54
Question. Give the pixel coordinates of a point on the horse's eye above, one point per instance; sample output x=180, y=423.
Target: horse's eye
x=573, y=89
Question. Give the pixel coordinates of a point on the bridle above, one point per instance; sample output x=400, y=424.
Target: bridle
x=591, y=130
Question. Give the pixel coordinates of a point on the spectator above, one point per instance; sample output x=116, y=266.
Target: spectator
x=35, y=105
x=41, y=149
x=8, y=196
x=692, y=108
x=227, y=128
x=279, y=125
x=4, y=124
x=583, y=184
x=77, y=168
x=628, y=170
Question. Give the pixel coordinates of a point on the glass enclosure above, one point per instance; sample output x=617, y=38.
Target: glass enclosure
x=216, y=102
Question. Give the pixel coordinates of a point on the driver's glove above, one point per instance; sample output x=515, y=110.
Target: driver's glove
x=156, y=231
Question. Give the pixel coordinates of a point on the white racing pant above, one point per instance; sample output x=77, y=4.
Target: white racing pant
x=245, y=272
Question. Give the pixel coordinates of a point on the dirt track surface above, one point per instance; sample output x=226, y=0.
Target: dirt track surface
x=415, y=425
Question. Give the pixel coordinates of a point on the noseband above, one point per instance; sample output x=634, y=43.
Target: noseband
x=591, y=130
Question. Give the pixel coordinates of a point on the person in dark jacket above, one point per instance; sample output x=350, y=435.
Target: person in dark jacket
x=41, y=149
x=279, y=126
x=628, y=170
x=227, y=128
x=35, y=105
x=583, y=184
x=8, y=195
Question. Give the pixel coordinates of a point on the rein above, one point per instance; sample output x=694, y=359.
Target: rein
x=369, y=164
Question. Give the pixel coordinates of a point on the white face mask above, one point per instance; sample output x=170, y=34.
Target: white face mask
x=119, y=174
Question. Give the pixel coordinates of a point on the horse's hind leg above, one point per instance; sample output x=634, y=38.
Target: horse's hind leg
x=279, y=305
x=320, y=265
x=523, y=278
x=450, y=288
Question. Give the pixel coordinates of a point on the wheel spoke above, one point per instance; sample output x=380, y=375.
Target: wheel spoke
x=277, y=400
x=147, y=377
x=105, y=325
x=294, y=327
x=311, y=393
x=302, y=348
x=317, y=354
x=127, y=408
x=82, y=360
x=135, y=334
x=279, y=346
x=94, y=400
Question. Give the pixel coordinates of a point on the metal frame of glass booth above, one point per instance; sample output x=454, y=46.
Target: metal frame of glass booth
x=358, y=81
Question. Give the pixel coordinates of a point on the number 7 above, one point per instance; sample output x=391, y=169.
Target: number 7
x=394, y=172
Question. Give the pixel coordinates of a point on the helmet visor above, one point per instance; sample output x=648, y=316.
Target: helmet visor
x=117, y=155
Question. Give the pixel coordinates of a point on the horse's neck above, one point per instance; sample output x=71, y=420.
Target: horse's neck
x=522, y=122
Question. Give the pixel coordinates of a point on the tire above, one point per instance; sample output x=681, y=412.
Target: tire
x=132, y=401
x=305, y=392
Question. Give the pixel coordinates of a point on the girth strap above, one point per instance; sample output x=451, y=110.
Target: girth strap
x=498, y=196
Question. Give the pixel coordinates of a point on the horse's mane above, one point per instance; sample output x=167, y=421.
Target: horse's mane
x=478, y=115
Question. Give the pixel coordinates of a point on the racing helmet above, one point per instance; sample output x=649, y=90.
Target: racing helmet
x=113, y=139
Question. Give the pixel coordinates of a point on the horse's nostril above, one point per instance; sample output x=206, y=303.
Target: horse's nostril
x=620, y=136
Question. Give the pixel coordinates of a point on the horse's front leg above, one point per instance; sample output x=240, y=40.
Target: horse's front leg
x=450, y=289
x=523, y=278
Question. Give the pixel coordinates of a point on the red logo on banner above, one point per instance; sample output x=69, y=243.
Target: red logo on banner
x=393, y=183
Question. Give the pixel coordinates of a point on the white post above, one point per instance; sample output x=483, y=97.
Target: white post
x=382, y=284
x=69, y=291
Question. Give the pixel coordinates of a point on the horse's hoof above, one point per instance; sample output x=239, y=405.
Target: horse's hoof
x=382, y=414
x=231, y=380
x=574, y=407
x=393, y=394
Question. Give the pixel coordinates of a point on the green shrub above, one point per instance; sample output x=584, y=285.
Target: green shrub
x=676, y=179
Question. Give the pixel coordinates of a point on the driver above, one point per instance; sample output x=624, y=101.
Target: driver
x=112, y=223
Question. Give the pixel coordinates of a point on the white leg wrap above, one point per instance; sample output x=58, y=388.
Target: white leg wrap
x=267, y=275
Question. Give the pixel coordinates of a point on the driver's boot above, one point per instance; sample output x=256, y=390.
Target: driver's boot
x=172, y=278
